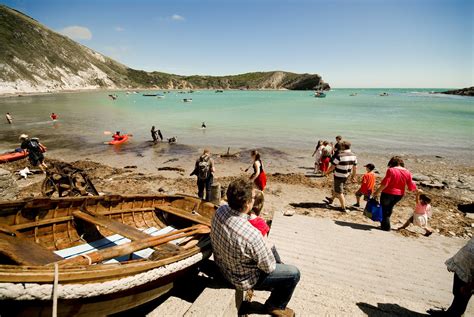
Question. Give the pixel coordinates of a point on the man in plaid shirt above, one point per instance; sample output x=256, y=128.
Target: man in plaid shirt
x=242, y=255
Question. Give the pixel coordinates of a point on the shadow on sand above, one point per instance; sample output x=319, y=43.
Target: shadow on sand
x=357, y=226
x=384, y=309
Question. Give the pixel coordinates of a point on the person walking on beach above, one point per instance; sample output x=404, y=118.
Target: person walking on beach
x=367, y=186
x=203, y=125
x=242, y=256
x=337, y=147
x=344, y=165
x=462, y=265
x=155, y=134
x=421, y=214
x=35, y=151
x=258, y=176
x=326, y=153
x=204, y=169
x=318, y=152
x=9, y=118
x=392, y=188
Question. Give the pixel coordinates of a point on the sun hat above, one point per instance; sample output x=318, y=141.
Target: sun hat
x=23, y=136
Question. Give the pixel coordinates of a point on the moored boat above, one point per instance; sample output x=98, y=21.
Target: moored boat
x=319, y=94
x=106, y=254
x=187, y=100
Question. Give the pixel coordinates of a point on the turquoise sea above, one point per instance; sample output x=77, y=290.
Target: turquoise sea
x=408, y=121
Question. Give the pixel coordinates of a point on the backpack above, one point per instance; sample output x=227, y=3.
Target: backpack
x=34, y=146
x=204, y=167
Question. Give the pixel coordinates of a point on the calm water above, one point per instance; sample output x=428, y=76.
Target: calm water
x=407, y=121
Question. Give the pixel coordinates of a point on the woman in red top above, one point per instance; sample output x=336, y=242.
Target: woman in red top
x=258, y=177
x=393, y=188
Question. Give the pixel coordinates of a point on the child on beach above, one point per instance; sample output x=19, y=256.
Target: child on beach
x=259, y=223
x=367, y=186
x=421, y=214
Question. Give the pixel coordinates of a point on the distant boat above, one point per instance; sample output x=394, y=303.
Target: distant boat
x=384, y=94
x=150, y=95
x=319, y=94
x=187, y=100
x=353, y=94
x=160, y=96
x=113, y=97
x=219, y=90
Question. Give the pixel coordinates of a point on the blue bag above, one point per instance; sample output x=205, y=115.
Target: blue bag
x=373, y=210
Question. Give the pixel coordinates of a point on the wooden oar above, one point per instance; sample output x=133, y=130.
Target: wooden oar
x=129, y=248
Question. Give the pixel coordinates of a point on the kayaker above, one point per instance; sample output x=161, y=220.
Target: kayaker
x=35, y=151
x=117, y=136
x=54, y=116
x=9, y=118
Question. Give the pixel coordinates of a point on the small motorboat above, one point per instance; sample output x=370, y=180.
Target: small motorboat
x=319, y=94
x=149, y=95
x=113, y=97
x=353, y=94
x=219, y=90
x=187, y=100
x=384, y=94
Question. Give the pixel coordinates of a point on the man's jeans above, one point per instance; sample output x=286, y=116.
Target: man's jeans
x=281, y=283
x=205, y=184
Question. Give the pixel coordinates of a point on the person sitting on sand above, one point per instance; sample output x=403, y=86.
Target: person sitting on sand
x=204, y=169
x=242, y=256
x=367, y=186
x=117, y=136
x=421, y=214
x=318, y=152
x=344, y=165
x=35, y=151
x=462, y=265
x=392, y=188
x=54, y=116
x=9, y=118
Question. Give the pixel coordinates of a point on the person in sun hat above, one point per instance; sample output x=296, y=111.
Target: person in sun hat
x=35, y=151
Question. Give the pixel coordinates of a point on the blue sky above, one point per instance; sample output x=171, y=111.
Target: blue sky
x=358, y=43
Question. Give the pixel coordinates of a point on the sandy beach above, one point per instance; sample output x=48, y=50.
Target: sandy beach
x=292, y=185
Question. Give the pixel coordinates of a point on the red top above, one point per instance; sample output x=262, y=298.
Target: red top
x=368, y=183
x=260, y=224
x=396, y=179
x=54, y=116
x=117, y=137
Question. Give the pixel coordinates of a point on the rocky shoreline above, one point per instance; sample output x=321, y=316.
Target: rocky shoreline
x=461, y=92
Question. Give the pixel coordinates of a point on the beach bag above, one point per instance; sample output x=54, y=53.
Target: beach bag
x=204, y=167
x=373, y=210
x=261, y=180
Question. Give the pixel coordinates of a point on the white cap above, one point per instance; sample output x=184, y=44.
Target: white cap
x=23, y=136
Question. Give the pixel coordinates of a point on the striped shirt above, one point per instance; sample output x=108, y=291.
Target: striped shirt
x=344, y=161
x=239, y=248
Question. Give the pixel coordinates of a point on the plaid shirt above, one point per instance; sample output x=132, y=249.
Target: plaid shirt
x=239, y=248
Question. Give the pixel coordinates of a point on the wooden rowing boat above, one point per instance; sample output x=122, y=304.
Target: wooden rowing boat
x=107, y=254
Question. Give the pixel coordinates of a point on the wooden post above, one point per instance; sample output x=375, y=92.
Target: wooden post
x=216, y=194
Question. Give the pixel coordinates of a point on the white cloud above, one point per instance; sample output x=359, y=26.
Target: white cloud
x=119, y=29
x=77, y=32
x=177, y=17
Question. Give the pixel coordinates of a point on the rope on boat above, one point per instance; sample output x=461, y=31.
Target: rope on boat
x=55, y=290
x=88, y=258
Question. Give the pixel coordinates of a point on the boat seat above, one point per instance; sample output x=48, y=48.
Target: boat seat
x=114, y=240
x=25, y=252
x=194, y=217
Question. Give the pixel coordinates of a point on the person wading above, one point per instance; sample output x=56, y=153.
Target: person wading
x=204, y=169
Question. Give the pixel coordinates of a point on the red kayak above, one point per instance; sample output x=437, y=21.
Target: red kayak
x=123, y=139
x=12, y=156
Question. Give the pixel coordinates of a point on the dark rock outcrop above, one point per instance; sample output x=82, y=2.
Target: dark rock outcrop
x=461, y=92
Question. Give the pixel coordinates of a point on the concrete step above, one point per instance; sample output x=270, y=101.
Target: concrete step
x=173, y=306
x=216, y=302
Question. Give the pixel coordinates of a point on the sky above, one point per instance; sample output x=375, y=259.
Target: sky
x=350, y=43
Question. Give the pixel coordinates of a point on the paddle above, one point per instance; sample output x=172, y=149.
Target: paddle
x=133, y=246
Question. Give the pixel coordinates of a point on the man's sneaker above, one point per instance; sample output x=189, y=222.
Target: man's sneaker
x=329, y=200
x=356, y=205
x=283, y=312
